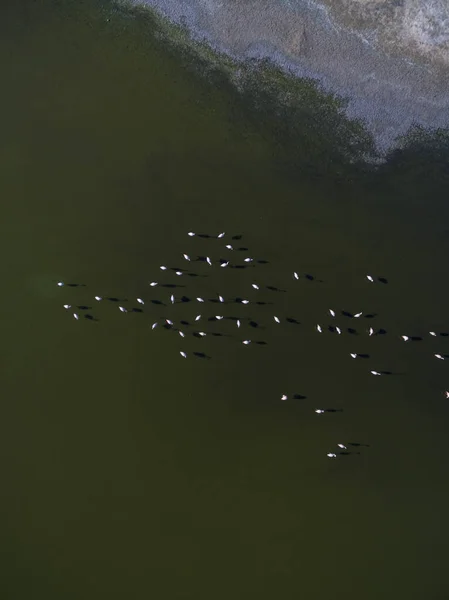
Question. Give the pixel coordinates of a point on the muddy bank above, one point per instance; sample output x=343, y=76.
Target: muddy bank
x=389, y=60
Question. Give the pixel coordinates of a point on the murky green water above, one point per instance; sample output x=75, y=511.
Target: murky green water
x=129, y=472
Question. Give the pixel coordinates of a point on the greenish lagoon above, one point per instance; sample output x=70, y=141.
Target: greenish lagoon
x=131, y=473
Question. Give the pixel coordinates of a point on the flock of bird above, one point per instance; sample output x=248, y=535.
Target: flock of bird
x=230, y=263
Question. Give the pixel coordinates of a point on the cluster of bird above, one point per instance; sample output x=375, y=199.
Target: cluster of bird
x=230, y=264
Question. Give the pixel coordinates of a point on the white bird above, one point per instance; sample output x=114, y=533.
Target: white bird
x=405, y=338
x=249, y=259
x=357, y=315
x=375, y=373
x=162, y=268
x=331, y=312
x=219, y=317
x=439, y=356
x=229, y=247
x=60, y=283
x=338, y=330
x=67, y=306
x=172, y=299
x=153, y=283
x=200, y=299
x=201, y=333
x=186, y=256
x=277, y=319
x=245, y=301
x=370, y=278
x=353, y=355
x=122, y=309
x=255, y=286
x=331, y=455
x=246, y=342
x=284, y=397
x=178, y=273
x=98, y=298
x=198, y=317
x=181, y=334
x=319, y=410
x=433, y=333
x=169, y=322
x=183, y=354
x=370, y=331
x=154, y=325
x=447, y=394
x=318, y=328
x=140, y=301
x=208, y=260
x=76, y=316
x=342, y=446
x=295, y=275
x=220, y=235
x=221, y=298
x=238, y=323
x=225, y=264
x=191, y=233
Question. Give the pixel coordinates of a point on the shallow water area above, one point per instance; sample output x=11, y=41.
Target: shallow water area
x=129, y=471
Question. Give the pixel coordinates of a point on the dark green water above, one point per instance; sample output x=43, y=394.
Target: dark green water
x=129, y=472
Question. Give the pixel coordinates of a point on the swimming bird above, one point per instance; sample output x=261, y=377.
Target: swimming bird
x=169, y=322
x=220, y=235
x=405, y=338
x=370, y=331
x=238, y=323
x=219, y=317
x=67, y=306
x=76, y=316
x=353, y=355
x=172, y=299
x=140, y=301
x=208, y=260
x=225, y=264
x=295, y=275
x=245, y=301
x=191, y=233
x=178, y=273
x=229, y=247
x=447, y=394
x=375, y=373
x=201, y=333
x=183, y=354
x=186, y=256
x=98, y=298
x=439, y=356
x=319, y=410
x=162, y=268
x=198, y=317
x=249, y=259
x=331, y=455
x=255, y=286
x=277, y=319
x=318, y=328
x=122, y=309
x=370, y=278
x=60, y=283
x=246, y=342
x=221, y=299
x=153, y=283
x=432, y=333
x=154, y=325
x=338, y=330
x=181, y=334
x=357, y=315
x=331, y=312
x=200, y=299
x=342, y=446
x=284, y=397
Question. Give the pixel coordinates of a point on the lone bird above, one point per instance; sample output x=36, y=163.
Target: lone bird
x=198, y=317
x=284, y=397
x=331, y=312
x=225, y=264
x=122, y=309
x=246, y=342
x=98, y=298
x=255, y=286
x=76, y=316
x=295, y=275
x=67, y=306
x=183, y=354
x=439, y=356
x=191, y=234
x=318, y=328
x=208, y=260
x=140, y=301
x=375, y=373
x=220, y=235
x=186, y=256
x=277, y=319
x=370, y=278
x=153, y=283
x=163, y=268
x=331, y=455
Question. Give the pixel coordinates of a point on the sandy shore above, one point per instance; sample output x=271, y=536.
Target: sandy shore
x=389, y=59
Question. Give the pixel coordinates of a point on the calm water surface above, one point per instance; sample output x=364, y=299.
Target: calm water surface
x=129, y=472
